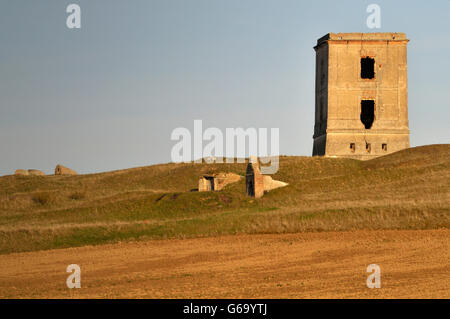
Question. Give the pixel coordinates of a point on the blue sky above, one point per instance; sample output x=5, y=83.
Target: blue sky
x=107, y=96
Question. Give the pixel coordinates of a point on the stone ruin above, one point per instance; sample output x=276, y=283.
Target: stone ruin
x=257, y=183
x=254, y=181
x=270, y=183
x=62, y=170
x=216, y=182
x=36, y=172
x=59, y=170
x=28, y=172
x=23, y=172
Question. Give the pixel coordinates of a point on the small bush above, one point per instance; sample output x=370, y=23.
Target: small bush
x=42, y=198
x=77, y=196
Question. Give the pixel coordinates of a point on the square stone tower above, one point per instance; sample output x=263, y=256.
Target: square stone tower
x=361, y=95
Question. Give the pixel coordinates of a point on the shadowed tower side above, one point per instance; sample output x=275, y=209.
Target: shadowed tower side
x=361, y=105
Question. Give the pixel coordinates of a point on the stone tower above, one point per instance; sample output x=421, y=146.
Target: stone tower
x=361, y=95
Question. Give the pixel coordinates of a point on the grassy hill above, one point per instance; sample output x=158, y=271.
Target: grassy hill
x=409, y=189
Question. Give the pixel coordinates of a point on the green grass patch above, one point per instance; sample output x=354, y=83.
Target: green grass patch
x=404, y=190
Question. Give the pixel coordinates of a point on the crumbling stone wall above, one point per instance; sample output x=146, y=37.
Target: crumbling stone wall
x=36, y=172
x=23, y=172
x=271, y=184
x=256, y=183
x=216, y=182
x=254, y=179
x=206, y=184
x=62, y=170
x=28, y=172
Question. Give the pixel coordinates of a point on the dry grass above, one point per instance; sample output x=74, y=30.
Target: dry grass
x=405, y=190
x=77, y=195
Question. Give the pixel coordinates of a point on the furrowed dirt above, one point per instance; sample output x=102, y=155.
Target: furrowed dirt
x=414, y=264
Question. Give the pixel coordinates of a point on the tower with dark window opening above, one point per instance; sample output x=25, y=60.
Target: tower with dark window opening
x=361, y=95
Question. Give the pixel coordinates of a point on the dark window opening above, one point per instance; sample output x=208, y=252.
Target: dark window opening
x=368, y=147
x=352, y=147
x=367, y=113
x=384, y=147
x=210, y=183
x=250, y=187
x=367, y=68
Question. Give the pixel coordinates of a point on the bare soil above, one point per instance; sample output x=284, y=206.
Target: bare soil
x=414, y=264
